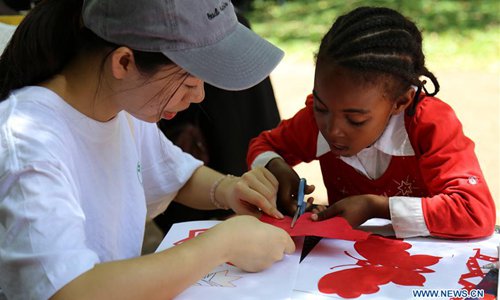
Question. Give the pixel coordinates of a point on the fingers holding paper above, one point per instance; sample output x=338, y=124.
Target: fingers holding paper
x=355, y=209
x=288, y=185
x=255, y=246
x=253, y=192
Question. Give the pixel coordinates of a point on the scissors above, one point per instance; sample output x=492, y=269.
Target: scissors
x=301, y=205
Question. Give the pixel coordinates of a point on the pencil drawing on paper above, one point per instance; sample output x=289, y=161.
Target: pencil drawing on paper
x=218, y=279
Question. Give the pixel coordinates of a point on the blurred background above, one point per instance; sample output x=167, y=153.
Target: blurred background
x=461, y=44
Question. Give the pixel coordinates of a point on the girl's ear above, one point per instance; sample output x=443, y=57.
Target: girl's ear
x=404, y=101
x=122, y=63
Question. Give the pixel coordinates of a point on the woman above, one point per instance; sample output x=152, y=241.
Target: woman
x=83, y=164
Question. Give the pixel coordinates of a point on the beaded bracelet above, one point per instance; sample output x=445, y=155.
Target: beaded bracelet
x=212, y=192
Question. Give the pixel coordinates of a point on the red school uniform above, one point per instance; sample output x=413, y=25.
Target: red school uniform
x=438, y=190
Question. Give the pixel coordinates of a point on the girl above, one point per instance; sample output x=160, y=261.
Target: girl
x=387, y=147
x=82, y=163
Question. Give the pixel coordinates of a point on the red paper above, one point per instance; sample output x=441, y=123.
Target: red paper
x=335, y=228
x=393, y=264
x=475, y=272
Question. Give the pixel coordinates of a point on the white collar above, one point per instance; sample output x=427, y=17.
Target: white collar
x=394, y=140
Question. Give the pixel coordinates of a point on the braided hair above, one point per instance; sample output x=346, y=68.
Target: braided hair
x=375, y=41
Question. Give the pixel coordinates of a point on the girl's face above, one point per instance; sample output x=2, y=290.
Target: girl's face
x=350, y=114
x=163, y=95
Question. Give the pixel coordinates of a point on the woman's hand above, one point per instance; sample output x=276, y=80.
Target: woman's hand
x=288, y=186
x=253, y=192
x=355, y=209
x=250, y=244
x=242, y=240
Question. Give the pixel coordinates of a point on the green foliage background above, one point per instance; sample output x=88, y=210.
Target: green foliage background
x=458, y=34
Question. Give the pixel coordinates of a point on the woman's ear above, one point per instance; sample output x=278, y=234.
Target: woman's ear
x=122, y=62
x=404, y=101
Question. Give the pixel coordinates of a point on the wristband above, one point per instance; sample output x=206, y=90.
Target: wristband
x=214, y=201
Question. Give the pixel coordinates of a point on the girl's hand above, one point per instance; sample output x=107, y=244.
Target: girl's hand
x=253, y=192
x=250, y=244
x=288, y=186
x=355, y=209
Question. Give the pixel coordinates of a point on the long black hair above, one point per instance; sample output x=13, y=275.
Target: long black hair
x=378, y=40
x=49, y=37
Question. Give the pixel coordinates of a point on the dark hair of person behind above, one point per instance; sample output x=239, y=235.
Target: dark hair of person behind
x=19, y=4
x=48, y=38
x=377, y=40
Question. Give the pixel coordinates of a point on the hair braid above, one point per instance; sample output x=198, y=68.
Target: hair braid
x=378, y=40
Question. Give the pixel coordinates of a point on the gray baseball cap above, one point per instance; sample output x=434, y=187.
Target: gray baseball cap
x=201, y=36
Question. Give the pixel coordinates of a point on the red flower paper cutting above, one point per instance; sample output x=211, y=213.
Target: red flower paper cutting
x=386, y=260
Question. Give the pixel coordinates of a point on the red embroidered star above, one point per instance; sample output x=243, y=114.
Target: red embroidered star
x=405, y=187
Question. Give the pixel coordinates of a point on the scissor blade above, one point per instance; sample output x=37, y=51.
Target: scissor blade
x=295, y=217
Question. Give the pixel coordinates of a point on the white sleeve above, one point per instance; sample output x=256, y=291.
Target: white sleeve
x=262, y=159
x=165, y=169
x=407, y=217
x=42, y=233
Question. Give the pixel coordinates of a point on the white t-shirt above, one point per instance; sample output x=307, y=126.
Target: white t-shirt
x=75, y=192
x=6, y=32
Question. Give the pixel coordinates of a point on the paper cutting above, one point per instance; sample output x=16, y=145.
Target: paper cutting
x=192, y=234
x=367, y=266
x=475, y=270
x=337, y=227
x=393, y=264
x=365, y=269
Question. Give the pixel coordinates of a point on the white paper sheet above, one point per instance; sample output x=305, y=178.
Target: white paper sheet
x=289, y=280
x=229, y=282
x=330, y=256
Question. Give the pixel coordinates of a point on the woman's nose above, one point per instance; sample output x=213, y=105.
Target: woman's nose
x=198, y=92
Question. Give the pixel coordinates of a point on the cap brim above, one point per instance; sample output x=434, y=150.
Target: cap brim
x=239, y=61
